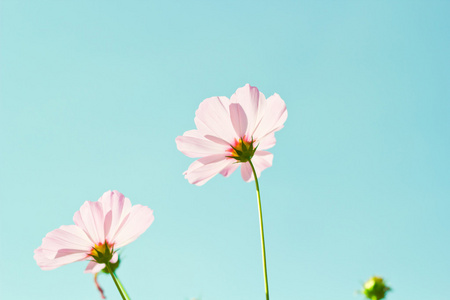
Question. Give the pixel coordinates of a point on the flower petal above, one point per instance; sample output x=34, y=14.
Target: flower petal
x=94, y=267
x=90, y=218
x=115, y=258
x=213, y=118
x=62, y=246
x=42, y=261
x=45, y=263
x=116, y=208
x=192, y=146
x=238, y=119
x=205, y=168
x=67, y=237
x=227, y=171
x=246, y=172
x=273, y=119
x=261, y=161
x=135, y=224
x=267, y=142
x=253, y=103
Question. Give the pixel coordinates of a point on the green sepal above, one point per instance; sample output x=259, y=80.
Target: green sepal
x=114, y=266
x=103, y=257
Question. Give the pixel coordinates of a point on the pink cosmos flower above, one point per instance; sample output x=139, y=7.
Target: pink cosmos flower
x=231, y=132
x=100, y=228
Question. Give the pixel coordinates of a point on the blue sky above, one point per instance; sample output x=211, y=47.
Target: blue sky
x=94, y=93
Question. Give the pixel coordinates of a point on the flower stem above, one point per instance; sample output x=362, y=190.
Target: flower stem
x=123, y=289
x=117, y=282
x=261, y=227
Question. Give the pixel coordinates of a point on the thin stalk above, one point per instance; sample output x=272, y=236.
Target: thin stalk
x=123, y=289
x=261, y=227
x=117, y=282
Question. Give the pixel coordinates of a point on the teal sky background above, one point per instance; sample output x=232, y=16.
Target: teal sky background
x=94, y=93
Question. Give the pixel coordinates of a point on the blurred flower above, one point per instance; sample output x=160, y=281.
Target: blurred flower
x=375, y=288
x=231, y=132
x=100, y=228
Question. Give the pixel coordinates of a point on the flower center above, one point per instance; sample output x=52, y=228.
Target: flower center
x=242, y=150
x=102, y=253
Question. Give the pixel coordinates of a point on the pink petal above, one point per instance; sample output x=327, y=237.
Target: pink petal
x=62, y=246
x=273, y=119
x=45, y=263
x=67, y=237
x=116, y=208
x=42, y=261
x=217, y=140
x=238, y=119
x=261, y=161
x=90, y=218
x=198, y=147
x=229, y=169
x=205, y=168
x=136, y=223
x=94, y=267
x=115, y=258
x=246, y=171
x=213, y=118
x=253, y=103
x=267, y=142
x=197, y=134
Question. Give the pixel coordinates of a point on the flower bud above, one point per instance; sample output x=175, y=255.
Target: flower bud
x=375, y=288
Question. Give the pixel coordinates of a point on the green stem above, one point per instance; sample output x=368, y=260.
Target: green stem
x=123, y=289
x=117, y=282
x=261, y=227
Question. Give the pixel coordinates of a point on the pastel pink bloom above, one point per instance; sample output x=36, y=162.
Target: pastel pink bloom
x=227, y=127
x=100, y=227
